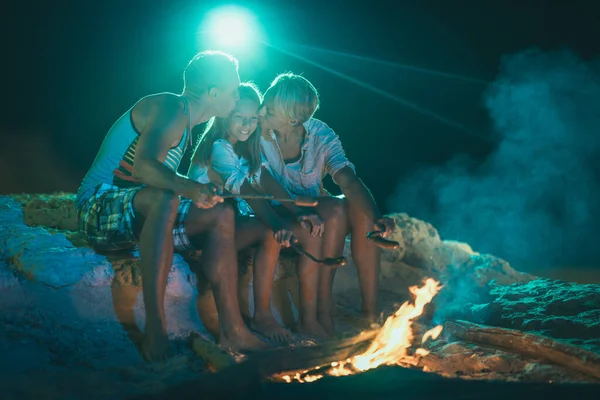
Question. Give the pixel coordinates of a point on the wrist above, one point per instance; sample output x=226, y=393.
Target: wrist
x=183, y=184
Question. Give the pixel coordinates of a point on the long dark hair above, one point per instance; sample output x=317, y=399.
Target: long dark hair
x=217, y=129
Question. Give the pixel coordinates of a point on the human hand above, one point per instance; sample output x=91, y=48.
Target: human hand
x=310, y=219
x=283, y=236
x=385, y=225
x=204, y=195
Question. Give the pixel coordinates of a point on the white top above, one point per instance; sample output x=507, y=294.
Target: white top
x=229, y=171
x=321, y=154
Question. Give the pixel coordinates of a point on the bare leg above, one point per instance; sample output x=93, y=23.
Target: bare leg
x=219, y=262
x=265, y=262
x=205, y=304
x=158, y=211
x=308, y=278
x=333, y=212
x=367, y=258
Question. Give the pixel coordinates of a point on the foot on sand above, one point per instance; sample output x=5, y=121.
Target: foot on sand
x=312, y=328
x=156, y=347
x=326, y=321
x=270, y=328
x=242, y=341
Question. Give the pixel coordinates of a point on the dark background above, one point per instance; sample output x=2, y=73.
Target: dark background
x=71, y=68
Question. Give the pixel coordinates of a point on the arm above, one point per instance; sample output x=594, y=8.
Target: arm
x=356, y=192
x=235, y=177
x=306, y=216
x=263, y=209
x=165, y=126
x=271, y=186
x=343, y=174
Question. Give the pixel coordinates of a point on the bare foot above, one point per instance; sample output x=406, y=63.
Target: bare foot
x=312, y=328
x=370, y=321
x=156, y=347
x=270, y=328
x=326, y=321
x=242, y=340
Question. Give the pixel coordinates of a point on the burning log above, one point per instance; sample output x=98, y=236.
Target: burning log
x=527, y=344
x=249, y=374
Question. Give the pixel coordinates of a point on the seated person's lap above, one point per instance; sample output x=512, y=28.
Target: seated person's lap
x=107, y=220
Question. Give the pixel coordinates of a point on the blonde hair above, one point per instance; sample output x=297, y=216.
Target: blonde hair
x=294, y=96
x=206, y=69
x=217, y=129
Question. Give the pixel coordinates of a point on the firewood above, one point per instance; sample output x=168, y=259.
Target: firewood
x=215, y=358
x=257, y=368
x=527, y=344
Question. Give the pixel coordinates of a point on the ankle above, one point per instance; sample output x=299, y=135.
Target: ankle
x=262, y=314
x=156, y=327
x=307, y=321
x=324, y=312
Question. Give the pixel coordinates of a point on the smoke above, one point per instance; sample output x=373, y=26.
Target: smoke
x=535, y=200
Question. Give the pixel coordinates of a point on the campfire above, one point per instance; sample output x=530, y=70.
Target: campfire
x=390, y=345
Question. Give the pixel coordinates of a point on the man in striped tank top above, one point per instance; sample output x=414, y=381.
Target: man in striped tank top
x=133, y=196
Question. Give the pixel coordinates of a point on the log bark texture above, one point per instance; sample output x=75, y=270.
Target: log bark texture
x=527, y=344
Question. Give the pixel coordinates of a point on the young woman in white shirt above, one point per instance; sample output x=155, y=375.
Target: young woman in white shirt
x=228, y=154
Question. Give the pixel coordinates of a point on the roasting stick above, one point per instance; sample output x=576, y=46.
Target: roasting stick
x=331, y=262
x=375, y=237
x=300, y=201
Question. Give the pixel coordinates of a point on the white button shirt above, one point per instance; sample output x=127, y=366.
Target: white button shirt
x=227, y=170
x=321, y=154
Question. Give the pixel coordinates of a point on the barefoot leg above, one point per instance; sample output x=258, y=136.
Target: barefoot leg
x=157, y=211
x=265, y=262
x=308, y=278
x=367, y=259
x=333, y=212
x=219, y=262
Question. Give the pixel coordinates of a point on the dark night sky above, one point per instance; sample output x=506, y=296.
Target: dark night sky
x=73, y=67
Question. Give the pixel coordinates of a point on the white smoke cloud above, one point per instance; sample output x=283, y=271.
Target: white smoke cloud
x=536, y=199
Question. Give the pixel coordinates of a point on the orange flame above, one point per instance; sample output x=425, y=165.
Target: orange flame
x=391, y=343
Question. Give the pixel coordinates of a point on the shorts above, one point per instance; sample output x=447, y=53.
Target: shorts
x=106, y=219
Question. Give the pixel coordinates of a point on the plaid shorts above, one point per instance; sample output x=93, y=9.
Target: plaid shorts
x=106, y=219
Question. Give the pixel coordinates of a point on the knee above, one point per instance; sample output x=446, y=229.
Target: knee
x=336, y=213
x=224, y=216
x=165, y=200
x=267, y=237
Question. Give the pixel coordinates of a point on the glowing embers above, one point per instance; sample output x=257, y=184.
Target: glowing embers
x=390, y=345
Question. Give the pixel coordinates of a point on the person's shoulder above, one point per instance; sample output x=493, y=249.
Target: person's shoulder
x=320, y=131
x=165, y=104
x=222, y=143
x=222, y=147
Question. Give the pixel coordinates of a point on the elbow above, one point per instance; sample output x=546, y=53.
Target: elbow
x=348, y=182
x=139, y=172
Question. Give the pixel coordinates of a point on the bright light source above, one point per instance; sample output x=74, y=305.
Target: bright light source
x=230, y=28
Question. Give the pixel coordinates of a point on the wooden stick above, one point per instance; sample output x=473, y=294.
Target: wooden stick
x=215, y=358
x=263, y=365
x=300, y=201
x=527, y=344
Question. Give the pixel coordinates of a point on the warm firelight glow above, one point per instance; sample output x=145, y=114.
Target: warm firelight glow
x=391, y=343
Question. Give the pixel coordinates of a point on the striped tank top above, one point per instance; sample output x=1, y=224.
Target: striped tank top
x=113, y=165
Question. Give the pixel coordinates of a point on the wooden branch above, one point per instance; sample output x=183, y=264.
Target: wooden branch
x=215, y=358
x=527, y=344
x=260, y=366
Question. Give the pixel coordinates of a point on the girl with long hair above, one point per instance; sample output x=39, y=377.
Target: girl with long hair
x=229, y=155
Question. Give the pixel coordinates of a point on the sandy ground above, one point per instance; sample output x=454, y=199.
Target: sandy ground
x=74, y=343
x=70, y=344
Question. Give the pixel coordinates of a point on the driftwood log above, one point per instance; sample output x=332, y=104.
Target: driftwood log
x=215, y=357
x=527, y=344
x=249, y=374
